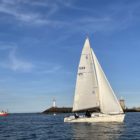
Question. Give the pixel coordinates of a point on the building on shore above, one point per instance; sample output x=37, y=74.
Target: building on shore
x=122, y=103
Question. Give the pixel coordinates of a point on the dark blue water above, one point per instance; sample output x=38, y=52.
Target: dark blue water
x=48, y=127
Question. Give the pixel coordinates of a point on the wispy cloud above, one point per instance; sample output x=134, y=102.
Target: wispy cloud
x=51, y=70
x=17, y=64
x=107, y=21
x=30, y=17
x=13, y=11
x=7, y=46
x=14, y=63
x=20, y=11
x=47, y=68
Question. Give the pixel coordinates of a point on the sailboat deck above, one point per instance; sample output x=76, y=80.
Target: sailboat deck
x=96, y=118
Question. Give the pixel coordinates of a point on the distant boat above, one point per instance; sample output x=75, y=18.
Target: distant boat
x=3, y=113
x=94, y=91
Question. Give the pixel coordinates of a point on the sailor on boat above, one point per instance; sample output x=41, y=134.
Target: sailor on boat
x=76, y=115
x=87, y=114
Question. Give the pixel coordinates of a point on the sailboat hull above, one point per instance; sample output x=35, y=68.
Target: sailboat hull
x=96, y=118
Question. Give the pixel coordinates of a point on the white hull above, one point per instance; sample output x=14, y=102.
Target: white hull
x=97, y=118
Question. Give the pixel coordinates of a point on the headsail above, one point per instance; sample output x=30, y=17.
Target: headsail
x=108, y=101
x=86, y=91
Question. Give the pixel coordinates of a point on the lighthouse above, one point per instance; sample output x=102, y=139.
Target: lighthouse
x=54, y=102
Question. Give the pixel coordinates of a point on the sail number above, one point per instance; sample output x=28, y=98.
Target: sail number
x=81, y=68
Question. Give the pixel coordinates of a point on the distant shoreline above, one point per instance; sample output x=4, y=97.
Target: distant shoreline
x=132, y=110
x=69, y=110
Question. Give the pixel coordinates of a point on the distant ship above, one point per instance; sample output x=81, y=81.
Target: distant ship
x=94, y=91
x=3, y=113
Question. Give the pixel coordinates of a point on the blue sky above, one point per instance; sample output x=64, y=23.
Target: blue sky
x=41, y=42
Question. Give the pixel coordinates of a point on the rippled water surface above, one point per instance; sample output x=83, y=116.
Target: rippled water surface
x=45, y=127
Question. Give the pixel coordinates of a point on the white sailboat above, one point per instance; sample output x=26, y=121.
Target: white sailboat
x=94, y=91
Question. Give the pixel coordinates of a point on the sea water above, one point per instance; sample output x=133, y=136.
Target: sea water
x=48, y=127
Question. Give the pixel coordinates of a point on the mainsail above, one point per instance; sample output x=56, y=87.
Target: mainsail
x=86, y=91
x=92, y=87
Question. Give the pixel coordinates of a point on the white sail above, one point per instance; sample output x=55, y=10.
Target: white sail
x=108, y=100
x=86, y=91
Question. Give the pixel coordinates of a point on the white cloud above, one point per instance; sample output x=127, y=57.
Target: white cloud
x=104, y=22
x=53, y=69
x=30, y=17
x=27, y=17
x=5, y=46
x=16, y=64
x=46, y=68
